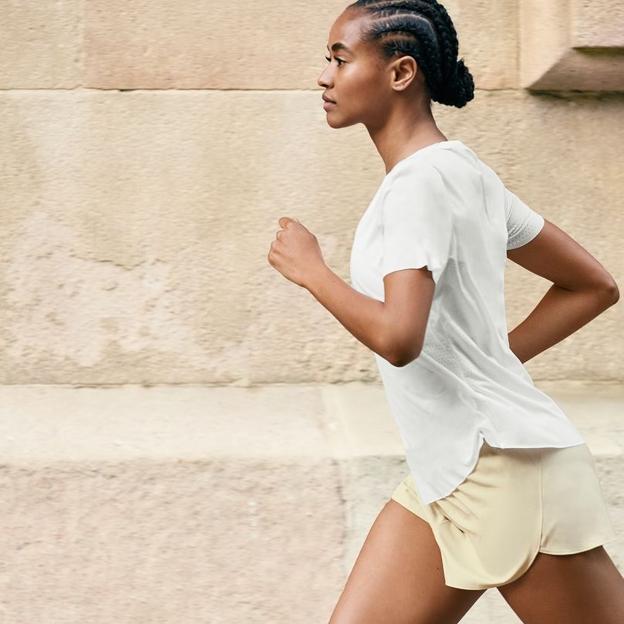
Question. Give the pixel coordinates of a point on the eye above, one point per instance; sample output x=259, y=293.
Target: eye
x=338, y=60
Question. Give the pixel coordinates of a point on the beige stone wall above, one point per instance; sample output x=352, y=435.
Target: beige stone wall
x=136, y=224
x=147, y=150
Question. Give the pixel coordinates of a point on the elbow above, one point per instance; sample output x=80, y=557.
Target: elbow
x=611, y=291
x=401, y=358
x=614, y=292
x=402, y=346
x=403, y=362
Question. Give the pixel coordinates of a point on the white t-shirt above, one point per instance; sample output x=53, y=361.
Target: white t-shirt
x=445, y=208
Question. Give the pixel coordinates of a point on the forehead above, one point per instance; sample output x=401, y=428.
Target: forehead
x=345, y=32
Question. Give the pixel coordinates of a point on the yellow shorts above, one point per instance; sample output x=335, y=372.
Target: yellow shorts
x=515, y=503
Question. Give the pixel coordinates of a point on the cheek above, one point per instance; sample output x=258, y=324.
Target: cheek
x=365, y=98
x=366, y=85
x=356, y=93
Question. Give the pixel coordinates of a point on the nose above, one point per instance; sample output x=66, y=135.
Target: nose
x=322, y=82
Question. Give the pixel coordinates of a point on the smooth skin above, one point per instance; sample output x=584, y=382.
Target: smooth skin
x=398, y=576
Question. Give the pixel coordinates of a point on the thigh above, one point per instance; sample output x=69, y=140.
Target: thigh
x=398, y=577
x=572, y=589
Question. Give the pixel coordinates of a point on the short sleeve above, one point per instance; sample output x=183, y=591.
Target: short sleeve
x=523, y=223
x=417, y=222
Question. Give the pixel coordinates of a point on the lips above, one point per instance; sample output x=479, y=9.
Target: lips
x=326, y=99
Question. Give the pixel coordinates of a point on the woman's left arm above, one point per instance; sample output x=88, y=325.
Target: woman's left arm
x=362, y=316
x=393, y=328
x=297, y=255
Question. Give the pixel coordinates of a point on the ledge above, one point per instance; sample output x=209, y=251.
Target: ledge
x=571, y=45
x=39, y=422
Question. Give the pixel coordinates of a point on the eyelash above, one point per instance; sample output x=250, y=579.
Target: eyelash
x=337, y=59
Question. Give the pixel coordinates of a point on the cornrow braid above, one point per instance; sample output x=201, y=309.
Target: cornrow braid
x=423, y=30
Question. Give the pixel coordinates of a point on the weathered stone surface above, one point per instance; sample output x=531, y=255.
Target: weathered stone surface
x=136, y=228
x=215, y=504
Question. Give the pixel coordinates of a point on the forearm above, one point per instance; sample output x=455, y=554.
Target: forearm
x=362, y=316
x=559, y=313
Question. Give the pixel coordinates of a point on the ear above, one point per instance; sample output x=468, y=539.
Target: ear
x=403, y=71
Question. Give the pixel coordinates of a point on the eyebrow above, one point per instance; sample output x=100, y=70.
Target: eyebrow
x=340, y=46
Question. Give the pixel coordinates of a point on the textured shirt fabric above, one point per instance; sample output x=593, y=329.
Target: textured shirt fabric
x=444, y=208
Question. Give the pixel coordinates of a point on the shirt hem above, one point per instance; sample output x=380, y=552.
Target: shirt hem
x=432, y=497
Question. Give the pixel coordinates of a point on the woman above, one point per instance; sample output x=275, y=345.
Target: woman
x=502, y=489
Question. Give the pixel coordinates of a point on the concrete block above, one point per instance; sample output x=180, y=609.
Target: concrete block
x=571, y=45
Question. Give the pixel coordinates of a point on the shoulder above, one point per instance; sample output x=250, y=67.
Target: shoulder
x=414, y=167
x=413, y=176
x=417, y=193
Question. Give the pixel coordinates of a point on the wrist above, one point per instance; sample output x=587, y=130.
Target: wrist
x=317, y=277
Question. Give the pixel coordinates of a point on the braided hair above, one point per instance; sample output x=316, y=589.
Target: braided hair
x=423, y=30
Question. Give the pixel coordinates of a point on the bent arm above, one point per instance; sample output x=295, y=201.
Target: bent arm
x=393, y=328
x=582, y=289
x=559, y=313
x=362, y=316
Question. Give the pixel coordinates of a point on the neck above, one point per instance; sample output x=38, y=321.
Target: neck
x=402, y=135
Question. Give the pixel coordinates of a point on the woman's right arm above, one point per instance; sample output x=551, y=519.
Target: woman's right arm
x=582, y=289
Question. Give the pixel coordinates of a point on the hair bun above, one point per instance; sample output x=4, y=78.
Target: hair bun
x=452, y=77
x=458, y=87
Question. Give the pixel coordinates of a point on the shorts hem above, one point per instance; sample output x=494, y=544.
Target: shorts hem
x=588, y=546
x=399, y=499
x=471, y=588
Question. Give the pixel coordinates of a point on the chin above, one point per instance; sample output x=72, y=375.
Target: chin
x=337, y=122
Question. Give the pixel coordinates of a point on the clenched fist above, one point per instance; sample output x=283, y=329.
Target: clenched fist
x=295, y=252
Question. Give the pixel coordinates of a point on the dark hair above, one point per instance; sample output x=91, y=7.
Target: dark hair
x=423, y=30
